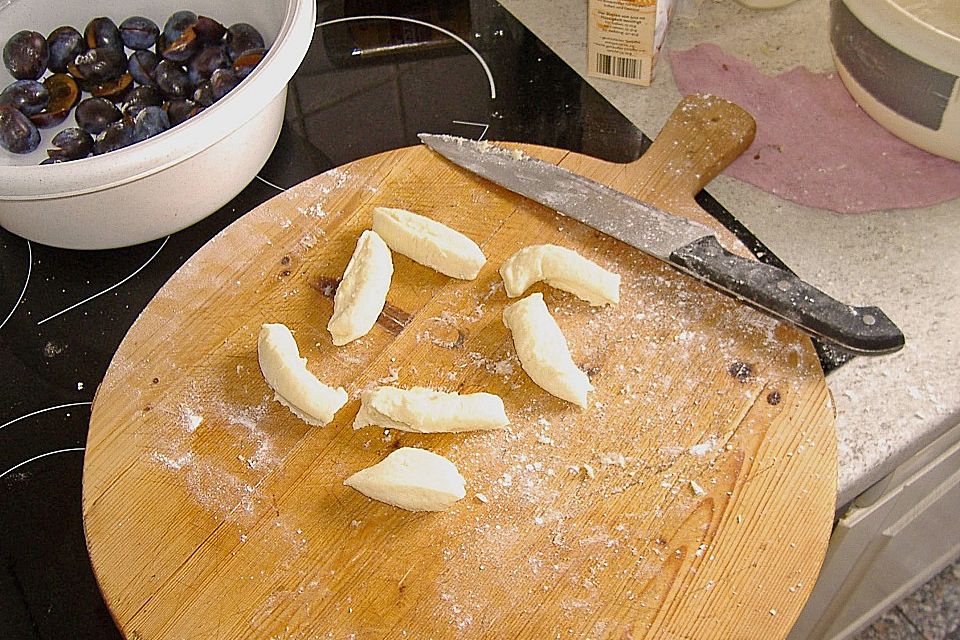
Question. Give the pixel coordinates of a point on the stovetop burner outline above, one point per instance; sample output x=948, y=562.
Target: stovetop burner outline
x=26, y=283
x=39, y=457
x=486, y=127
x=473, y=51
x=446, y=32
x=108, y=289
x=65, y=405
x=268, y=183
x=9, y=423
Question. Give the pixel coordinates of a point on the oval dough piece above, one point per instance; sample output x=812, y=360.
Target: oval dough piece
x=561, y=268
x=295, y=387
x=423, y=410
x=429, y=242
x=543, y=350
x=412, y=479
x=362, y=291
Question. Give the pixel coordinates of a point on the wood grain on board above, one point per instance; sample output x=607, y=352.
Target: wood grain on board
x=692, y=499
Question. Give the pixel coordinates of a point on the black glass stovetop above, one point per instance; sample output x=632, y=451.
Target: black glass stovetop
x=368, y=84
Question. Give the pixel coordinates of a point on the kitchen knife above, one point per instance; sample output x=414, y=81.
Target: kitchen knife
x=686, y=245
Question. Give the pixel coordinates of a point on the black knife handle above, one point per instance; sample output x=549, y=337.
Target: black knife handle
x=865, y=330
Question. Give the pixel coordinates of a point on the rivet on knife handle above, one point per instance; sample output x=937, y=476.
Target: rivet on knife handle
x=858, y=329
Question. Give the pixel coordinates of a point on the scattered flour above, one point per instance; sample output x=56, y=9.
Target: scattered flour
x=704, y=447
x=220, y=488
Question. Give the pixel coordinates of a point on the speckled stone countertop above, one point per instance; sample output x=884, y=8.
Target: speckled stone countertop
x=905, y=261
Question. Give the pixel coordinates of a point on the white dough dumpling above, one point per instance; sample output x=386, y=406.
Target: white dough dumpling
x=412, y=479
x=423, y=410
x=295, y=387
x=543, y=352
x=362, y=291
x=561, y=268
x=431, y=243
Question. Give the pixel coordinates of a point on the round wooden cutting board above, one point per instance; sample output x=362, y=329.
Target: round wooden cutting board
x=692, y=499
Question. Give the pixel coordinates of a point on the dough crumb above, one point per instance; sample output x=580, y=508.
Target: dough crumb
x=189, y=419
x=614, y=459
x=697, y=489
x=704, y=447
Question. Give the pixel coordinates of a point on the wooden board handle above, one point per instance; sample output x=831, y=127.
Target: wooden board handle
x=703, y=135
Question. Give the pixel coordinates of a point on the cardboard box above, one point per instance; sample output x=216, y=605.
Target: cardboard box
x=624, y=38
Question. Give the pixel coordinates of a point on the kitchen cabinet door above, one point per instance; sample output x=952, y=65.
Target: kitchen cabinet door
x=880, y=552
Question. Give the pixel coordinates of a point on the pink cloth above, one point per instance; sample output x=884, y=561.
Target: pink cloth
x=814, y=145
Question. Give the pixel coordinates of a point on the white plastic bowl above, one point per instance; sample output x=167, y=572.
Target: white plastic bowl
x=900, y=60
x=159, y=186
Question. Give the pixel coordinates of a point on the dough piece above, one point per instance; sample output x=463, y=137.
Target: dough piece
x=362, y=291
x=412, y=479
x=295, y=387
x=543, y=350
x=429, y=242
x=423, y=410
x=561, y=268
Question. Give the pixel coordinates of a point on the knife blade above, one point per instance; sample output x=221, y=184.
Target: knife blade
x=687, y=245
